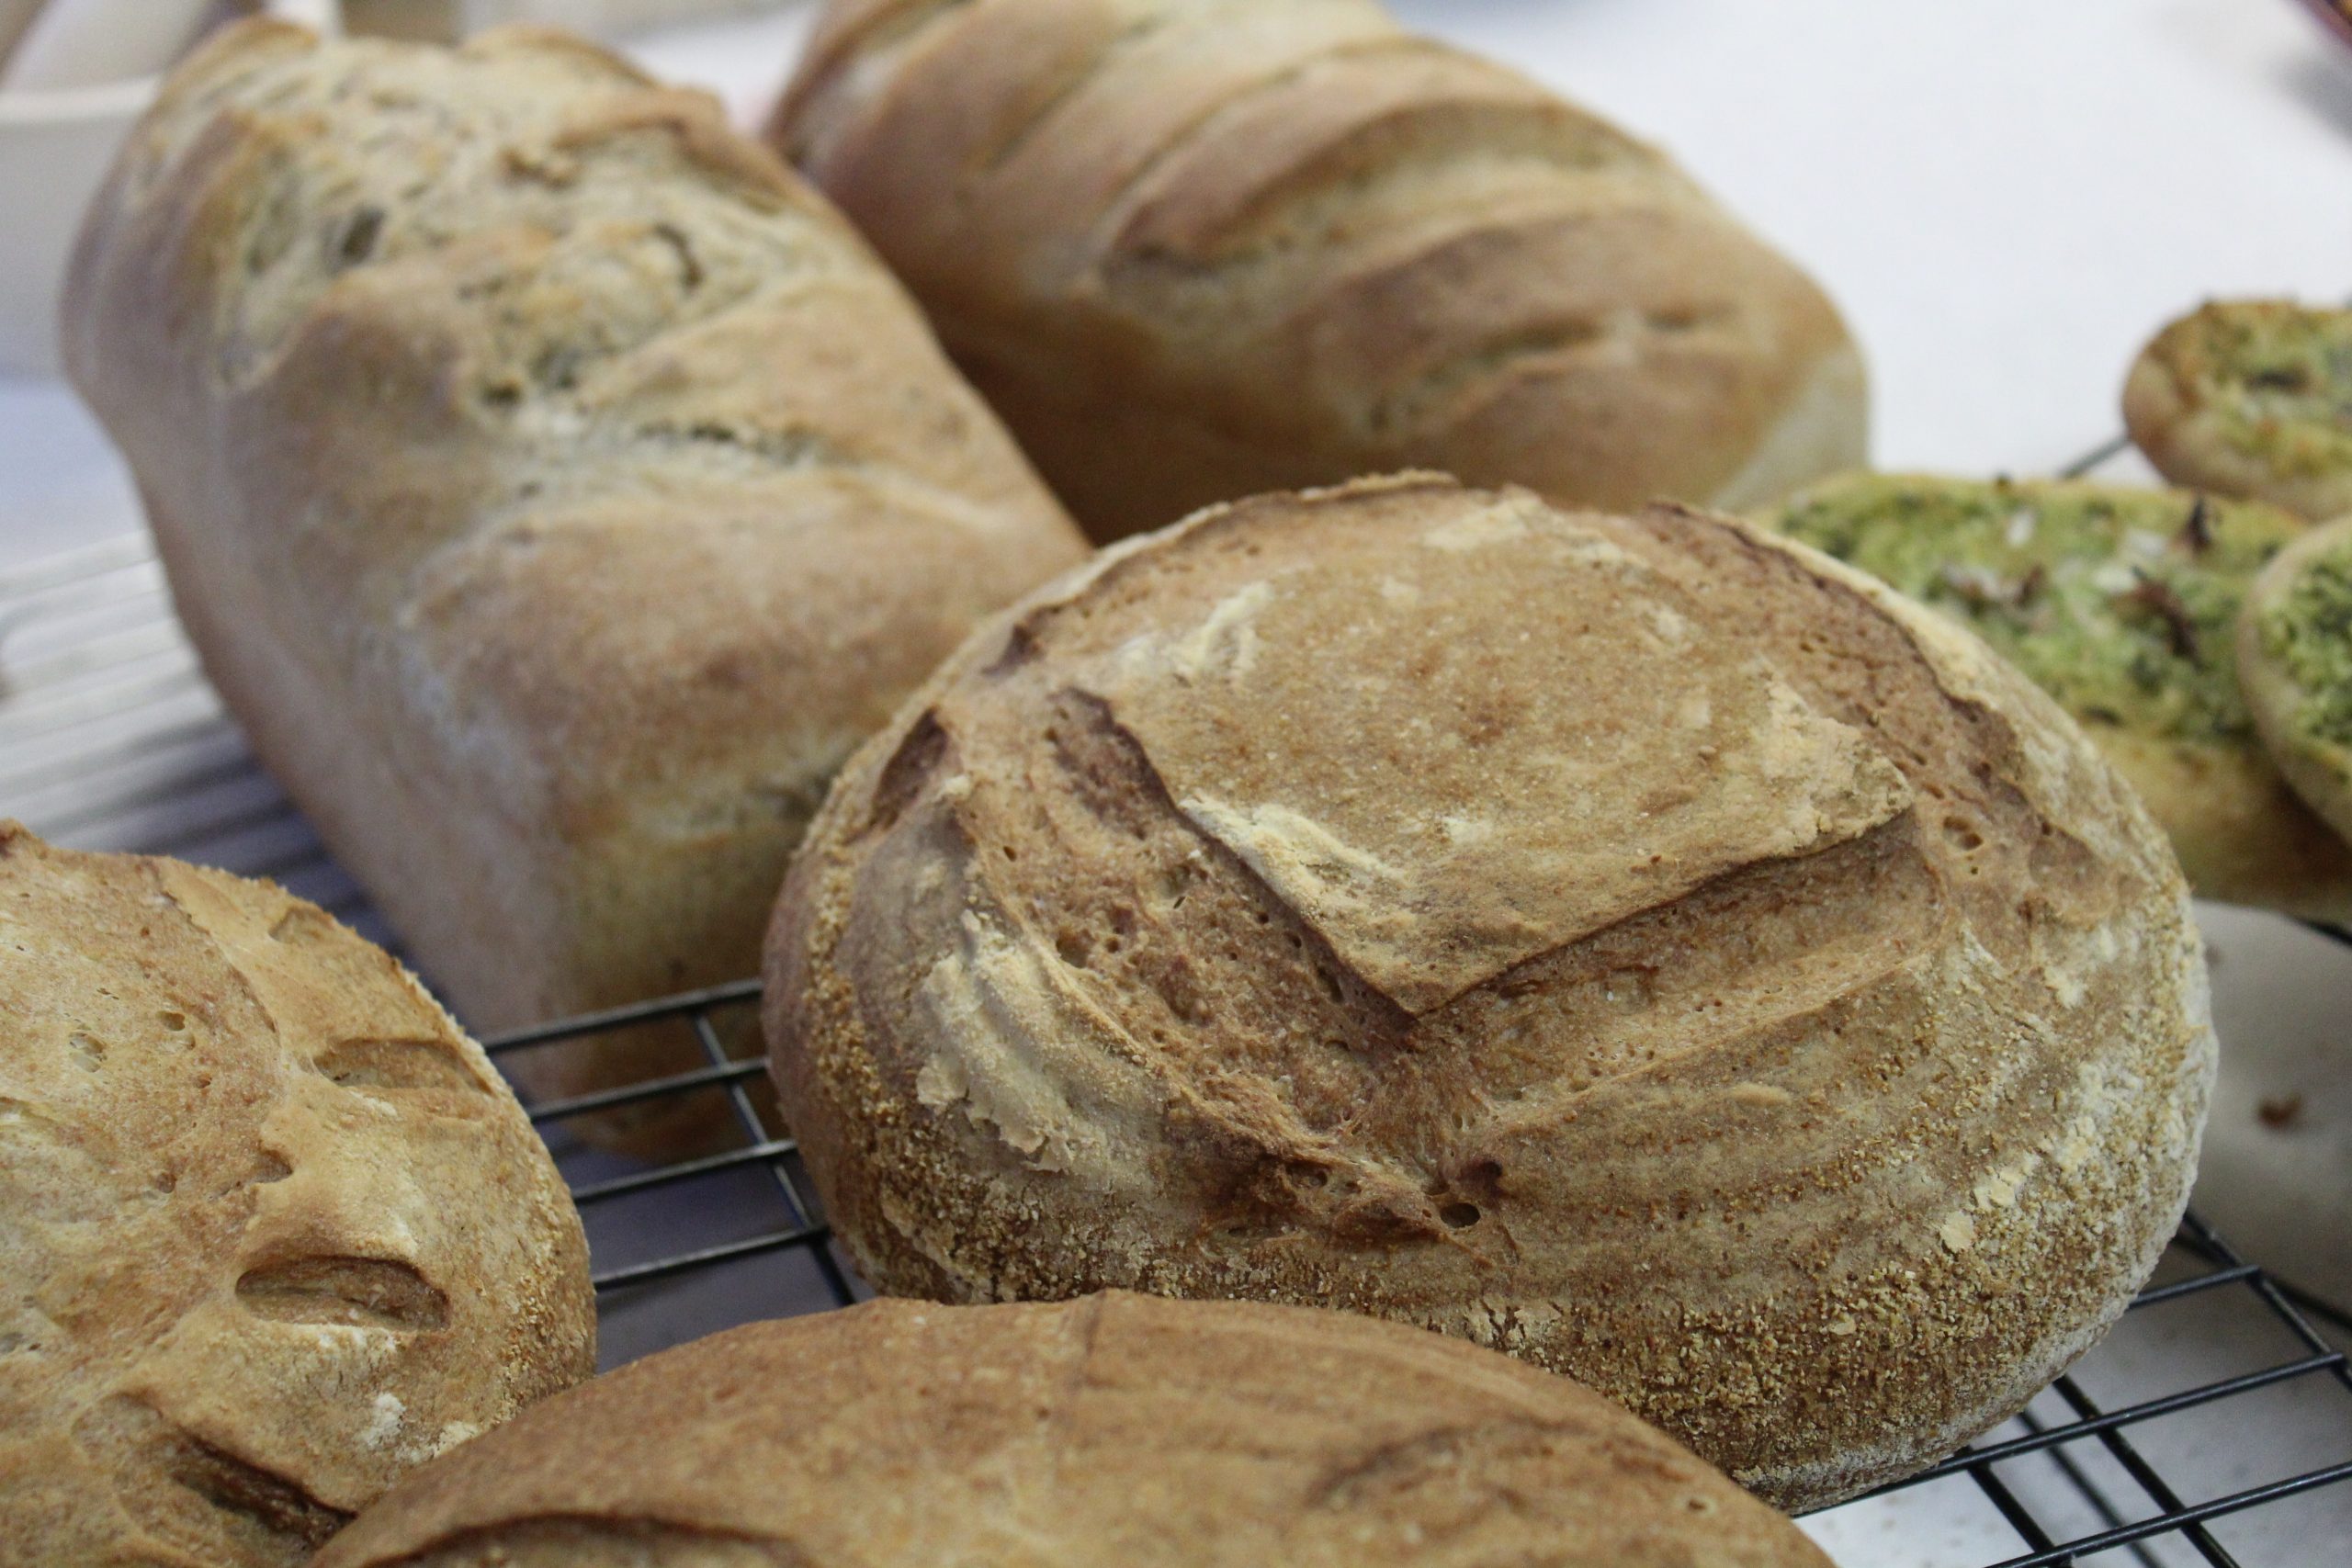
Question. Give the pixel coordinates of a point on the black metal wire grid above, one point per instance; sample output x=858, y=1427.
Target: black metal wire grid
x=2116, y=1495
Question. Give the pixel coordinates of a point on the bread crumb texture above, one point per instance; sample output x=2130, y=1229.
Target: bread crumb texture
x=1643, y=946
x=1118, y=1430
x=272, y=1232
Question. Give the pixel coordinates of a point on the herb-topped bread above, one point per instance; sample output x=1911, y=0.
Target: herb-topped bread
x=2295, y=655
x=2122, y=603
x=2254, y=399
x=1638, y=943
x=1193, y=250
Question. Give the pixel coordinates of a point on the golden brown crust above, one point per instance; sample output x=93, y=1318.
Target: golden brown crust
x=273, y=1232
x=554, y=485
x=1424, y=901
x=1121, y=1429
x=1195, y=250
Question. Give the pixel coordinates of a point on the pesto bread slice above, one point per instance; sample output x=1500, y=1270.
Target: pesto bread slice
x=2251, y=398
x=2122, y=603
x=2295, y=660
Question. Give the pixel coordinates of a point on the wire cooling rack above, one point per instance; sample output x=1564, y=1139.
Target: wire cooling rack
x=2213, y=1426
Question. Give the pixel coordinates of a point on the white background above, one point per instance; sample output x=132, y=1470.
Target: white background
x=2006, y=197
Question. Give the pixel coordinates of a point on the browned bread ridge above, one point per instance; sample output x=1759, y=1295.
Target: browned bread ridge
x=554, y=485
x=272, y=1232
x=1637, y=943
x=1192, y=249
x=1119, y=1430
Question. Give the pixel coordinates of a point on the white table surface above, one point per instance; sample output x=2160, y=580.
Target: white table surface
x=2006, y=197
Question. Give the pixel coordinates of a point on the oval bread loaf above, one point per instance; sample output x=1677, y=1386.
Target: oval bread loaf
x=272, y=1230
x=1192, y=249
x=1638, y=943
x=1120, y=1430
x=553, y=484
x=2122, y=603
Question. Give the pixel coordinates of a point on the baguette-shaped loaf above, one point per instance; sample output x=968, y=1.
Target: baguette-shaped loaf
x=1197, y=249
x=553, y=484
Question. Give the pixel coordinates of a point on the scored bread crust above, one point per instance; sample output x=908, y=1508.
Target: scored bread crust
x=1193, y=250
x=274, y=1233
x=1116, y=1430
x=554, y=485
x=2182, y=400
x=1643, y=945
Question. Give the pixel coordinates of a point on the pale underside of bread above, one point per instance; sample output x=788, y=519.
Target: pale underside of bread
x=1824, y=1151
x=553, y=484
x=273, y=1232
x=1192, y=250
x=2179, y=416
x=1118, y=1430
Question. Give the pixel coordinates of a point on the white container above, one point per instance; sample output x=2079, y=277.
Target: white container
x=56, y=144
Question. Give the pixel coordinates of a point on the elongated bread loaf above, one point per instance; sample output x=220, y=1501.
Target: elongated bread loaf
x=553, y=484
x=1118, y=1432
x=1638, y=943
x=272, y=1232
x=1197, y=249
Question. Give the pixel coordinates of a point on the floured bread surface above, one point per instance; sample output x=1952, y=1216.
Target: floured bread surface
x=1636, y=943
x=1198, y=249
x=1119, y=1430
x=556, y=488
x=272, y=1233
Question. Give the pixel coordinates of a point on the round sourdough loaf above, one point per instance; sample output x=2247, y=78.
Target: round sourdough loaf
x=1116, y=1430
x=1638, y=943
x=272, y=1232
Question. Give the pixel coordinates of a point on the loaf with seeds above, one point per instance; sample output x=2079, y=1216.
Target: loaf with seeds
x=553, y=484
x=1197, y=249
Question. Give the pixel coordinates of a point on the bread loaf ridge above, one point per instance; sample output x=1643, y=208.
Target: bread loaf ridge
x=272, y=1230
x=553, y=484
x=1118, y=1430
x=1193, y=250
x=1639, y=944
